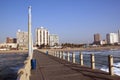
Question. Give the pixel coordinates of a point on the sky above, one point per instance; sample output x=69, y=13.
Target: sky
x=74, y=21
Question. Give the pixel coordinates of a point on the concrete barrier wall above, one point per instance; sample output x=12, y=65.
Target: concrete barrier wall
x=25, y=72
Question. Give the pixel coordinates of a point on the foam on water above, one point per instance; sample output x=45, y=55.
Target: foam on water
x=116, y=70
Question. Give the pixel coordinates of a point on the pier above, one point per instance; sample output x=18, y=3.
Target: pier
x=54, y=68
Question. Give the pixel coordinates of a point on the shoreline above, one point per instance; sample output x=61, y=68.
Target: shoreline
x=93, y=49
x=67, y=49
x=82, y=49
x=14, y=51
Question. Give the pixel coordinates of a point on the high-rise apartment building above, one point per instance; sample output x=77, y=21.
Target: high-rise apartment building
x=54, y=40
x=22, y=38
x=112, y=38
x=42, y=36
x=97, y=38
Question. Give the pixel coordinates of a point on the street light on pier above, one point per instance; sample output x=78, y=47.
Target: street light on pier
x=30, y=50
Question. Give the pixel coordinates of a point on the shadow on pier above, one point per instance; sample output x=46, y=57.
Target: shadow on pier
x=53, y=68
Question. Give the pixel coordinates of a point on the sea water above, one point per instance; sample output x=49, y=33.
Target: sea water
x=10, y=63
x=101, y=59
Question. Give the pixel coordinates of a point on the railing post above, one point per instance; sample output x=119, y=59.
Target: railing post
x=110, y=60
x=57, y=53
x=63, y=55
x=81, y=59
x=54, y=53
x=68, y=56
x=60, y=54
x=92, y=61
x=73, y=57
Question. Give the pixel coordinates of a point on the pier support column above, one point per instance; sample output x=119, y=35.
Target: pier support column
x=110, y=60
x=73, y=57
x=81, y=59
x=68, y=56
x=92, y=61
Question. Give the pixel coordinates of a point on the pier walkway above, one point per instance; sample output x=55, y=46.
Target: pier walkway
x=52, y=68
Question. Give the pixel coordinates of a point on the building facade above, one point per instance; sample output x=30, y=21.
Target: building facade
x=54, y=40
x=8, y=46
x=42, y=36
x=11, y=40
x=112, y=38
x=97, y=38
x=22, y=39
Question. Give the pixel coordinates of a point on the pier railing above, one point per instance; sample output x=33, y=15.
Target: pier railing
x=25, y=72
x=66, y=56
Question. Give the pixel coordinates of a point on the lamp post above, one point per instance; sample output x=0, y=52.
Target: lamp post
x=30, y=51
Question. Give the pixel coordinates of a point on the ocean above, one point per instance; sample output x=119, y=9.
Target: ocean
x=101, y=59
x=10, y=63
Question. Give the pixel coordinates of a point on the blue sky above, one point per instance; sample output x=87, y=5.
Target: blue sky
x=74, y=21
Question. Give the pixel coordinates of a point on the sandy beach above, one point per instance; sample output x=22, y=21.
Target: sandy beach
x=14, y=51
x=66, y=49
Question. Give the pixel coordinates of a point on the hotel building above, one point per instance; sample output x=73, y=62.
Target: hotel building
x=112, y=38
x=97, y=38
x=54, y=40
x=42, y=36
x=22, y=39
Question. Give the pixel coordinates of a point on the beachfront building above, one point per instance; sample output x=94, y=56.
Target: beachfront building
x=11, y=40
x=97, y=39
x=42, y=37
x=112, y=38
x=22, y=39
x=54, y=40
x=8, y=46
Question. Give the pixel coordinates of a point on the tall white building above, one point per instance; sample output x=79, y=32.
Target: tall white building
x=54, y=40
x=112, y=38
x=22, y=38
x=42, y=36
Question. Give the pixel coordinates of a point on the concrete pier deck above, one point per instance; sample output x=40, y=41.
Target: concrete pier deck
x=52, y=68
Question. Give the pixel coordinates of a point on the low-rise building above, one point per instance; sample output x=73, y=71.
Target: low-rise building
x=8, y=46
x=11, y=40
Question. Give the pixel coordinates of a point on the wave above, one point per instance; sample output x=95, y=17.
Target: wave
x=116, y=70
